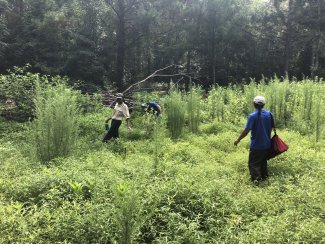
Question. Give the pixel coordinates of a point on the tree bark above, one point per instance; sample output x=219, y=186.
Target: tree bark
x=315, y=47
x=213, y=55
x=121, y=42
x=288, y=37
x=188, y=70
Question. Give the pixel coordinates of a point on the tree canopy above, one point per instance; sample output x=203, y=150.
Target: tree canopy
x=120, y=41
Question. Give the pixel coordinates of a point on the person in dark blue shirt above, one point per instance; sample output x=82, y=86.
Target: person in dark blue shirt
x=153, y=106
x=260, y=124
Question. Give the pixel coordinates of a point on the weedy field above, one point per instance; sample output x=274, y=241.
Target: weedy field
x=180, y=180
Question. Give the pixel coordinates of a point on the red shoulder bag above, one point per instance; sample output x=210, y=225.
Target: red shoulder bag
x=277, y=145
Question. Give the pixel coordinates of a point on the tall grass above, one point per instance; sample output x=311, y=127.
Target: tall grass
x=194, y=108
x=317, y=116
x=56, y=125
x=216, y=102
x=176, y=110
x=158, y=138
x=277, y=93
x=294, y=104
x=250, y=91
x=127, y=212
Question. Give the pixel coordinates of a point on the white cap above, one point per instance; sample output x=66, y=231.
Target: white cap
x=259, y=100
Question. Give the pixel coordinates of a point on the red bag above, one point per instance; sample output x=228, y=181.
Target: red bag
x=277, y=146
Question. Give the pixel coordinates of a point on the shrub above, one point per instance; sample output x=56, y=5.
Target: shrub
x=194, y=109
x=17, y=94
x=56, y=125
x=127, y=212
x=216, y=102
x=89, y=103
x=175, y=109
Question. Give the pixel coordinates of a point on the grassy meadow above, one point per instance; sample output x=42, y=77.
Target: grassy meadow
x=180, y=180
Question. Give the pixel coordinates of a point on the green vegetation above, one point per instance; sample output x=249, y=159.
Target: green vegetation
x=115, y=42
x=194, y=109
x=17, y=93
x=55, y=127
x=195, y=189
x=176, y=112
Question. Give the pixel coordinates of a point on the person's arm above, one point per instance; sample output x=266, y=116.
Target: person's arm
x=128, y=123
x=158, y=106
x=109, y=118
x=248, y=127
x=241, y=136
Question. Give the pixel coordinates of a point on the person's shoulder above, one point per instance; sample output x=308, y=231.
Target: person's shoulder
x=253, y=114
x=267, y=112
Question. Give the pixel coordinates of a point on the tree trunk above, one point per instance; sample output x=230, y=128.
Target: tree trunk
x=315, y=47
x=19, y=6
x=149, y=61
x=120, y=39
x=288, y=37
x=213, y=55
x=188, y=70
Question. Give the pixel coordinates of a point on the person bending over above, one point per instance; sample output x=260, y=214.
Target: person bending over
x=153, y=106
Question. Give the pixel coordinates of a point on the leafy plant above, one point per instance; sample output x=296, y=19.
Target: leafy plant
x=175, y=110
x=194, y=108
x=17, y=93
x=56, y=125
x=127, y=207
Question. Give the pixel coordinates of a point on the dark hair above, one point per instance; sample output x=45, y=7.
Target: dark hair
x=259, y=107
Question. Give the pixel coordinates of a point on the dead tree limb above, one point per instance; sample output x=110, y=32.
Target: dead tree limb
x=154, y=74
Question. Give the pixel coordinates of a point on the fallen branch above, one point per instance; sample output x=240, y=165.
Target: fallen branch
x=154, y=74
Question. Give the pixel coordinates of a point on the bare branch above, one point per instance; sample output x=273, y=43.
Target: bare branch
x=128, y=8
x=109, y=2
x=150, y=76
x=155, y=74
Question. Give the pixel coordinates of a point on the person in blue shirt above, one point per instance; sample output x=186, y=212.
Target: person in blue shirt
x=153, y=106
x=260, y=123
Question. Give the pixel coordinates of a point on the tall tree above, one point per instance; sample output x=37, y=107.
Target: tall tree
x=317, y=37
x=115, y=42
x=3, y=28
x=85, y=59
x=123, y=10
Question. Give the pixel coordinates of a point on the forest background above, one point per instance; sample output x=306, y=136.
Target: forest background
x=175, y=180
x=117, y=42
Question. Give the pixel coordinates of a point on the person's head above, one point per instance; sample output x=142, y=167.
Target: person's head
x=144, y=106
x=119, y=98
x=259, y=102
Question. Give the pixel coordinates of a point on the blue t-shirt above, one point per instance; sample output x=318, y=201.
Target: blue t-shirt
x=154, y=105
x=261, y=128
